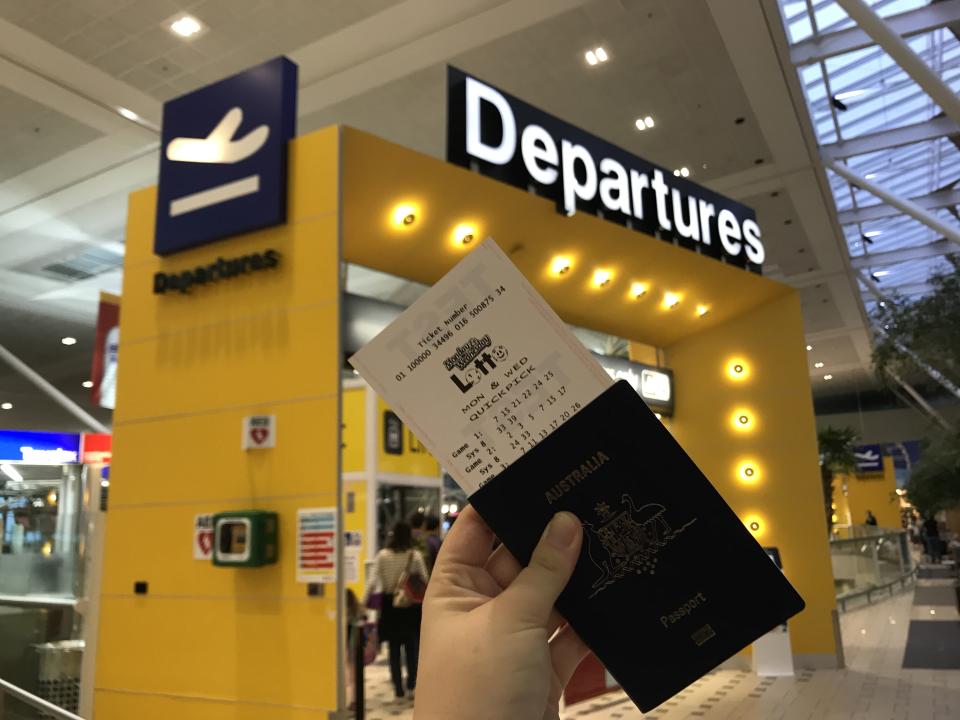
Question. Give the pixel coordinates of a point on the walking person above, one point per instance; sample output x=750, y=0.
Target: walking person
x=399, y=626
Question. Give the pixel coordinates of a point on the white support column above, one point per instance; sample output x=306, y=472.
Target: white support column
x=904, y=205
x=53, y=393
x=897, y=48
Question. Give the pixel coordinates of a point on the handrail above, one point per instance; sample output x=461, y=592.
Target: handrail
x=36, y=702
x=867, y=538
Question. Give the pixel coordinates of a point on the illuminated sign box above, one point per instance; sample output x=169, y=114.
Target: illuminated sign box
x=31, y=447
x=653, y=384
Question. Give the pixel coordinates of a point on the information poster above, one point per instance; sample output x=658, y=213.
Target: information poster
x=352, y=542
x=317, y=545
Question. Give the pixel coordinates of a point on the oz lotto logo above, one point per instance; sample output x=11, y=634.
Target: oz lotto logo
x=223, y=160
x=473, y=361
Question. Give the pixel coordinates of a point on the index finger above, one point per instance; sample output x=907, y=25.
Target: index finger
x=468, y=543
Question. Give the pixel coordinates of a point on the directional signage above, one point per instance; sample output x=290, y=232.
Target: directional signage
x=223, y=159
x=869, y=459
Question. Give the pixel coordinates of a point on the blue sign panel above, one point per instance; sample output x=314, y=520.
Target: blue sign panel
x=869, y=459
x=39, y=448
x=223, y=157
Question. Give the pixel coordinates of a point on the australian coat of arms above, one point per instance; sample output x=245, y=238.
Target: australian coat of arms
x=626, y=541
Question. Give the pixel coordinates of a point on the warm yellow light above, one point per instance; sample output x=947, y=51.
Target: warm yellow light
x=52, y=498
x=755, y=524
x=748, y=472
x=742, y=420
x=404, y=214
x=670, y=300
x=47, y=549
x=464, y=234
x=738, y=369
x=702, y=310
x=601, y=278
x=834, y=517
x=638, y=290
x=560, y=265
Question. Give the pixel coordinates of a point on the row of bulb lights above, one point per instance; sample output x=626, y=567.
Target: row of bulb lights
x=742, y=421
x=463, y=234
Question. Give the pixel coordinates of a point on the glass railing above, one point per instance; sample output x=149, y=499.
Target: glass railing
x=869, y=564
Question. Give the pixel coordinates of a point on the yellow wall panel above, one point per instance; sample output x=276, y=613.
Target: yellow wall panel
x=246, y=648
x=181, y=469
x=118, y=704
x=775, y=391
x=304, y=247
x=354, y=429
x=275, y=356
x=160, y=552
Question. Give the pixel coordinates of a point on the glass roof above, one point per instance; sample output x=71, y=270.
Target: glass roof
x=863, y=92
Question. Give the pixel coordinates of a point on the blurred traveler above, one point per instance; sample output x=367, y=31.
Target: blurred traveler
x=398, y=626
x=871, y=519
x=493, y=646
x=931, y=538
x=432, y=539
x=417, y=522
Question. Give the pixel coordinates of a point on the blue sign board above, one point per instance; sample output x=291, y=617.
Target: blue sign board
x=869, y=459
x=223, y=157
x=39, y=448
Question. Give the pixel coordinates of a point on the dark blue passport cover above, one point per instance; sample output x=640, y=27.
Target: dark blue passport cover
x=669, y=583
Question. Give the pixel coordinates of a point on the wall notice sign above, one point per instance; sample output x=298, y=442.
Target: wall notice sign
x=317, y=545
x=203, y=536
x=352, y=542
x=259, y=432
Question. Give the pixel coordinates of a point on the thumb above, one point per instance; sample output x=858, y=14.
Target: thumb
x=530, y=597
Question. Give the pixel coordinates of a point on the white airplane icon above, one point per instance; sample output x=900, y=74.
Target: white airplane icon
x=219, y=146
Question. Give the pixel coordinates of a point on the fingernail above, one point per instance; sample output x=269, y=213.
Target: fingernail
x=563, y=530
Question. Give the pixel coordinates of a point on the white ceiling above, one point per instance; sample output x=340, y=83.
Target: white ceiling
x=68, y=159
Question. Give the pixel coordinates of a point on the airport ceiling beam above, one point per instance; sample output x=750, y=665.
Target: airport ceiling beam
x=909, y=207
x=912, y=22
x=930, y=130
x=897, y=48
x=892, y=257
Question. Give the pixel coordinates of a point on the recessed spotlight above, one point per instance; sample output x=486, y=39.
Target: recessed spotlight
x=591, y=57
x=809, y=348
x=658, y=416
x=88, y=383
x=670, y=300
x=601, y=54
x=702, y=310
x=742, y=420
x=676, y=173
x=186, y=26
x=648, y=121
x=6, y=406
x=685, y=171
x=128, y=114
x=69, y=340
x=882, y=304
x=638, y=290
x=828, y=376
x=404, y=215
x=737, y=369
x=601, y=277
x=464, y=234
x=818, y=365
x=560, y=265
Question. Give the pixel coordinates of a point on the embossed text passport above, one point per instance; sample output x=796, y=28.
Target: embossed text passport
x=669, y=583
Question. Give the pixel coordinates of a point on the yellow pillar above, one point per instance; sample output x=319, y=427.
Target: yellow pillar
x=207, y=642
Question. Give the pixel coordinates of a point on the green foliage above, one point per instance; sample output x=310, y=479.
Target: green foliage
x=935, y=481
x=836, y=457
x=929, y=326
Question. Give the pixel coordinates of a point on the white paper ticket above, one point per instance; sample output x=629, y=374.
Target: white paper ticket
x=480, y=368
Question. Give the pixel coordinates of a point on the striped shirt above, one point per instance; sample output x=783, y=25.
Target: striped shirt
x=389, y=565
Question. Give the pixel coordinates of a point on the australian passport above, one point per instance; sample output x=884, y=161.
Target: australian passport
x=669, y=583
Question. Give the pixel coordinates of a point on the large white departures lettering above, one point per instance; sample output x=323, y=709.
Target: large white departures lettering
x=620, y=189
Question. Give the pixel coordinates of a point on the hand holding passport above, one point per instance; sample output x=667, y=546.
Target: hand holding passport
x=669, y=583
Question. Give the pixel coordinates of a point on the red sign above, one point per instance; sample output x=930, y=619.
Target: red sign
x=103, y=371
x=96, y=448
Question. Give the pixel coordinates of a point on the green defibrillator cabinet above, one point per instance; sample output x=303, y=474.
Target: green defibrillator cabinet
x=244, y=538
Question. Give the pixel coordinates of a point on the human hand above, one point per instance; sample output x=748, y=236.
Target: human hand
x=487, y=644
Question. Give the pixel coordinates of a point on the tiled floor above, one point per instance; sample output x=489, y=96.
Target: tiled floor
x=873, y=686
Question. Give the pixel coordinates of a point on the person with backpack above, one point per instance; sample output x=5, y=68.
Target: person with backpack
x=400, y=573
